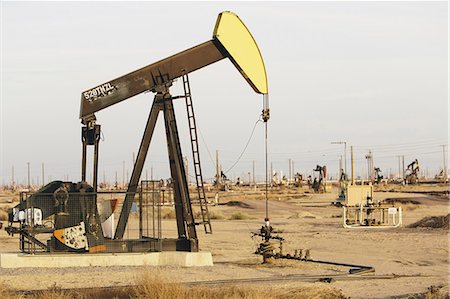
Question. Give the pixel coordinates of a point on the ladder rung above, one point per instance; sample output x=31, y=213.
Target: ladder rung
x=196, y=156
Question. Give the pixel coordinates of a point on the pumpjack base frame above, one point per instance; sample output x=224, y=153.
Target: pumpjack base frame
x=144, y=244
x=148, y=245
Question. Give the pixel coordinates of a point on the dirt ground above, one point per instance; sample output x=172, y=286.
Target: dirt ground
x=308, y=221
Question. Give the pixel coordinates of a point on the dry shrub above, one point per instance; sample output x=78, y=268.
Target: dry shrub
x=3, y=215
x=5, y=291
x=315, y=292
x=212, y=215
x=153, y=284
x=240, y=216
x=168, y=213
x=230, y=292
x=56, y=292
x=216, y=215
x=156, y=285
x=437, y=292
x=433, y=292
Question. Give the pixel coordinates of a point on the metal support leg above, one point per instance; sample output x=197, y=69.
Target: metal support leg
x=95, y=178
x=83, y=161
x=182, y=201
x=137, y=169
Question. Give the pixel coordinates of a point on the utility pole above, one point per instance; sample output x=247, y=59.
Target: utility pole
x=151, y=173
x=290, y=172
x=353, y=165
x=28, y=166
x=43, y=174
x=123, y=174
x=399, y=172
x=345, y=157
x=12, y=177
x=403, y=167
x=254, y=183
x=445, y=164
x=217, y=170
x=345, y=153
x=369, y=158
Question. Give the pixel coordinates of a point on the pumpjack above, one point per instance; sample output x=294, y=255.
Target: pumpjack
x=378, y=175
x=75, y=221
x=412, y=173
x=319, y=184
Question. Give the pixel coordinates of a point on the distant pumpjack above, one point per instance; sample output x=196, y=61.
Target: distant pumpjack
x=412, y=173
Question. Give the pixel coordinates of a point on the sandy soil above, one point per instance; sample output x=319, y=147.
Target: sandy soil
x=308, y=221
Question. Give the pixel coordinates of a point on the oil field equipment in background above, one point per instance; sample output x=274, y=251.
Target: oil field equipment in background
x=319, y=183
x=361, y=210
x=412, y=173
x=271, y=249
x=70, y=212
x=378, y=175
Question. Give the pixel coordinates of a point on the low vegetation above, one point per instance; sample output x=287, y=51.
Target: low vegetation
x=168, y=213
x=216, y=215
x=240, y=216
x=156, y=285
x=3, y=215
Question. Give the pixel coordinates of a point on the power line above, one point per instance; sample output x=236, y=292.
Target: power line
x=248, y=142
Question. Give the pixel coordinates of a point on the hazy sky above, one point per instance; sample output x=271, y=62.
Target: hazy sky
x=373, y=74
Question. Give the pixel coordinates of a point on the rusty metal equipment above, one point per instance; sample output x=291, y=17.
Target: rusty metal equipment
x=378, y=175
x=412, y=173
x=267, y=248
x=271, y=249
x=319, y=183
x=73, y=208
x=361, y=211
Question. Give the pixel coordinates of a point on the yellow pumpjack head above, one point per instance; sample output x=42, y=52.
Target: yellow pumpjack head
x=241, y=49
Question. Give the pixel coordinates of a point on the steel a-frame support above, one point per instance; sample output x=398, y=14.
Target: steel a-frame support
x=187, y=234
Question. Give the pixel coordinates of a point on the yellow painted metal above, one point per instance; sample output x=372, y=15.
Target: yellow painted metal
x=242, y=50
x=357, y=194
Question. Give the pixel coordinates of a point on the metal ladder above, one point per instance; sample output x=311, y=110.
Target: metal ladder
x=206, y=221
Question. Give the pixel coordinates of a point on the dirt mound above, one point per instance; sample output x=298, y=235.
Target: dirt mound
x=433, y=222
x=403, y=200
x=303, y=214
x=236, y=203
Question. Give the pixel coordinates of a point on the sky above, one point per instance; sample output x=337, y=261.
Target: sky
x=372, y=74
